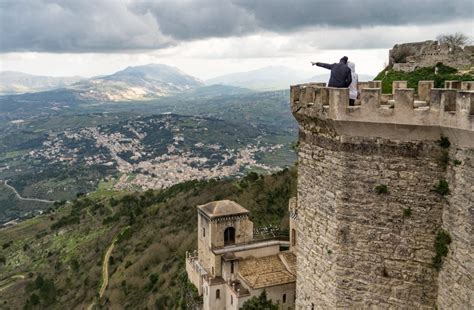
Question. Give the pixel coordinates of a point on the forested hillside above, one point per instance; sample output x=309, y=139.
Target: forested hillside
x=56, y=260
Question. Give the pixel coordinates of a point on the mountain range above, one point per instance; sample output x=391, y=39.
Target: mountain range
x=267, y=78
x=152, y=81
x=133, y=83
x=273, y=78
x=12, y=82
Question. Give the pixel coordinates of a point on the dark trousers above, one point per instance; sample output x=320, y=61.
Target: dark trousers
x=351, y=102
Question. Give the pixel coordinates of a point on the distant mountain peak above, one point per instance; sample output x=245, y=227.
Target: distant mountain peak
x=136, y=83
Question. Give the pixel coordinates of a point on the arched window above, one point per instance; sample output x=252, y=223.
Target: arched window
x=231, y=300
x=293, y=237
x=204, y=232
x=232, y=267
x=218, y=294
x=229, y=235
x=284, y=298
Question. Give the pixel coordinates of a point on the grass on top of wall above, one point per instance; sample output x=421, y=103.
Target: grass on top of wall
x=445, y=73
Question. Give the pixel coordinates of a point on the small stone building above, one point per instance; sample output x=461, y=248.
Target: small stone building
x=230, y=266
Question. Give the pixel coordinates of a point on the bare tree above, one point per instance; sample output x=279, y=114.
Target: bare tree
x=453, y=40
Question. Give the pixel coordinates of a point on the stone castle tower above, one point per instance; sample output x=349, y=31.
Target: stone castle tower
x=232, y=265
x=373, y=183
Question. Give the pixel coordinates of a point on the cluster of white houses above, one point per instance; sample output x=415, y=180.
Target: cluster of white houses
x=230, y=266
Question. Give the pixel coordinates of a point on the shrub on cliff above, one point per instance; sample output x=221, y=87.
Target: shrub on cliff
x=381, y=189
x=442, y=188
x=443, y=239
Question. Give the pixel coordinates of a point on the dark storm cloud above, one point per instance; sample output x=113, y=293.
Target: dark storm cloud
x=76, y=26
x=281, y=15
x=188, y=20
x=118, y=26
x=218, y=18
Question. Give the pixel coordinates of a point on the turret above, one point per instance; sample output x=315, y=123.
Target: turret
x=221, y=223
x=378, y=182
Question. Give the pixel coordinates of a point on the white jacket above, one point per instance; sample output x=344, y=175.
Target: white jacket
x=355, y=79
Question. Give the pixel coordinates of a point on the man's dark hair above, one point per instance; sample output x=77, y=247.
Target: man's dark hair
x=344, y=59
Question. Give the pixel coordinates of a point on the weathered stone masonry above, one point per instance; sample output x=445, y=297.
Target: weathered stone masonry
x=361, y=249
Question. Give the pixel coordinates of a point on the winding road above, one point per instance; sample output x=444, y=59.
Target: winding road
x=23, y=198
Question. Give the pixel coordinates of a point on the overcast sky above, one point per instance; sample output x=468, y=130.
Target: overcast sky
x=207, y=38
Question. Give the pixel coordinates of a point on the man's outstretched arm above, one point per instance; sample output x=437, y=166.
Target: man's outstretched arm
x=322, y=64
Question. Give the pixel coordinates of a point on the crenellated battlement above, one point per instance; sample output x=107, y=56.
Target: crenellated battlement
x=451, y=107
x=359, y=246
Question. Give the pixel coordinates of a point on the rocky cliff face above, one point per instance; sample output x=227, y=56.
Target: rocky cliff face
x=410, y=56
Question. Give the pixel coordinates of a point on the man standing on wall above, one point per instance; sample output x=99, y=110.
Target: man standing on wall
x=340, y=73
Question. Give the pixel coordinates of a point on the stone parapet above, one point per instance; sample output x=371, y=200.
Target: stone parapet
x=450, y=108
x=195, y=270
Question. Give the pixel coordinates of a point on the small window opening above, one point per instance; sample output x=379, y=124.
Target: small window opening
x=232, y=267
x=284, y=298
x=218, y=294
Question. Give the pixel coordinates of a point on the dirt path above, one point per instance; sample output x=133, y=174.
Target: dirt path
x=105, y=273
x=23, y=198
x=105, y=269
x=6, y=283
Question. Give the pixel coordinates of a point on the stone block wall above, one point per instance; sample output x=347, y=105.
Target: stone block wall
x=357, y=248
x=242, y=225
x=368, y=214
x=456, y=277
x=204, y=241
x=211, y=236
